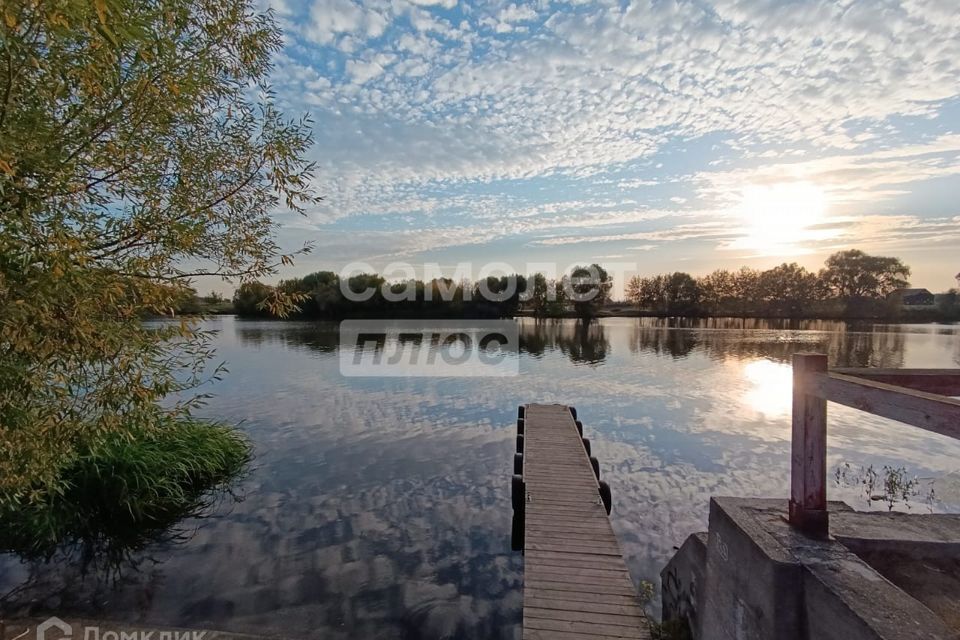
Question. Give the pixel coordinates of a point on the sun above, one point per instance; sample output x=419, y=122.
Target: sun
x=779, y=217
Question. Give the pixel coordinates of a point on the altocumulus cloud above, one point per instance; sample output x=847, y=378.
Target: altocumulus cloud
x=515, y=119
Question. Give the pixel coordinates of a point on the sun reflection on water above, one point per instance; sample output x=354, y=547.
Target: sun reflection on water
x=771, y=389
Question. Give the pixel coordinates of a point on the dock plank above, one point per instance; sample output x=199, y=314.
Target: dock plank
x=576, y=583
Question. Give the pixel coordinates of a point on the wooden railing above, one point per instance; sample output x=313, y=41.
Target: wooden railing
x=915, y=396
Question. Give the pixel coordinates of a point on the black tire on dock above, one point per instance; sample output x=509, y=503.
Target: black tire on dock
x=518, y=464
x=518, y=494
x=520, y=426
x=573, y=412
x=606, y=496
x=596, y=466
x=580, y=428
x=516, y=532
x=519, y=444
x=520, y=411
x=586, y=445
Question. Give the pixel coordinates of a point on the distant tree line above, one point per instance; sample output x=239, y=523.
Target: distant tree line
x=189, y=302
x=851, y=284
x=325, y=295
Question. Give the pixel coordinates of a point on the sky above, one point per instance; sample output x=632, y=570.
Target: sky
x=668, y=135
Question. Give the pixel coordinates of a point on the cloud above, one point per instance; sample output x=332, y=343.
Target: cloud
x=439, y=111
x=330, y=18
x=516, y=13
x=687, y=231
x=446, y=4
x=361, y=71
x=868, y=176
x=545, y=102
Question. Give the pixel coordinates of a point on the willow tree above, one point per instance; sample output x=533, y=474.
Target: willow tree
x=140, y=147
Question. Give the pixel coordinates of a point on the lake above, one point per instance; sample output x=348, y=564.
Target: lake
x=380, y=507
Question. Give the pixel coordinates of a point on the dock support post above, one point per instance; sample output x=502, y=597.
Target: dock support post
x=808, y=458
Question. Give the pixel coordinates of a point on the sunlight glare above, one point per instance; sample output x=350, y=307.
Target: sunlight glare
x=778, y=216
x=771, y=391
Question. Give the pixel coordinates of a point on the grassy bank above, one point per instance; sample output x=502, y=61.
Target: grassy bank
x=126, y=488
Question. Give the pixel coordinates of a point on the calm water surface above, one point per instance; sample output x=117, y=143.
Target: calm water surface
x=380, y=508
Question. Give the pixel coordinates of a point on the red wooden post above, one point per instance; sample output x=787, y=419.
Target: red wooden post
x=808, y=458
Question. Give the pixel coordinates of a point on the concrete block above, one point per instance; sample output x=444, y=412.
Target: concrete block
x=918, y=552
x=682, y=583
x=847, y=600
x=753, y=586
x=764, y=580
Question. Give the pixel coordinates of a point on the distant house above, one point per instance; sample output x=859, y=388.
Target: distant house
x=913, y=297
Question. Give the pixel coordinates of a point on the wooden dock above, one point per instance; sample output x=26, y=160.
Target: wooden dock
x=576, y=585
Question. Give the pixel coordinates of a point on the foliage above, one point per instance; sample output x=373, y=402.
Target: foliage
x=854, y=274
x=189, y=303
x=251, y=299
x=139, y=148
x=949, y=305
x=124, y=488
x=788, y=289
x=557, y=306
x=584, y=291
x=589, y=289
x=323, y=295
x=718, y=289
x=852, y=283
x=539, y=295
x=891, y=485
x=674, y=293
x=668, y=629
x=671, y=630
x=646, y=592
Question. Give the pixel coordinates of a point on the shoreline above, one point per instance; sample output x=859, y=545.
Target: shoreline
x=599, y=315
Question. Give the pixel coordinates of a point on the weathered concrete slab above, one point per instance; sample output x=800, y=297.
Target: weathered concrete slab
x=764, y=580
x=752, y=584
x=920, y=553
x=681, y=583
x=908, y=532
x=934, y=581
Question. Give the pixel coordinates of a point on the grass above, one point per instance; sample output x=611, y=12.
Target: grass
x=670, y=630
x=891, y=485
x=127, y=490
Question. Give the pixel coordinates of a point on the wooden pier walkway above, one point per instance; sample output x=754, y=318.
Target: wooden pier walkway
x=576, y=585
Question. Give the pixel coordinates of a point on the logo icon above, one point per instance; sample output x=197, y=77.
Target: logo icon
x=66, y=631
x=429, y=348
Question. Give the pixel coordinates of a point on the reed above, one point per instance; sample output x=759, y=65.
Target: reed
x=128, y=486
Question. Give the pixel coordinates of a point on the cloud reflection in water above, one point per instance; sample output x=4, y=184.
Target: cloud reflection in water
x=379, y=508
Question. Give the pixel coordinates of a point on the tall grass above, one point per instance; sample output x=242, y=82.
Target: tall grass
x=124, y=490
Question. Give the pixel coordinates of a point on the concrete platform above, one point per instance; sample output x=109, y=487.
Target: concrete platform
x=919, y=553
x=877, y=577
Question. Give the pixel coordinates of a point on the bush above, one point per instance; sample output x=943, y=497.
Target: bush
x=128, y=489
